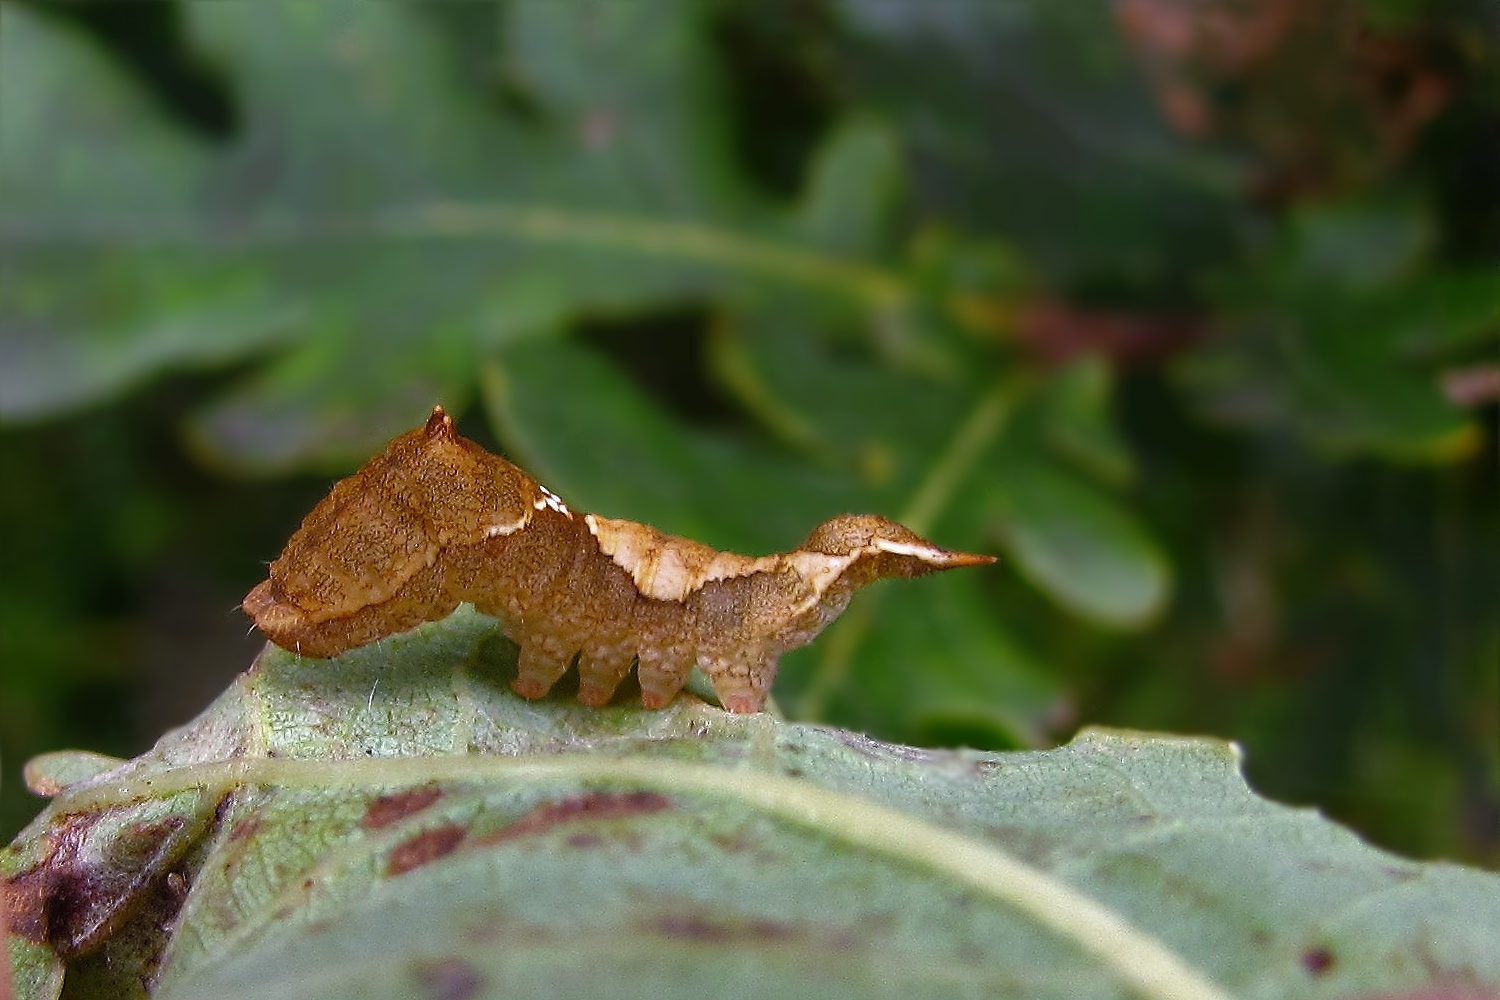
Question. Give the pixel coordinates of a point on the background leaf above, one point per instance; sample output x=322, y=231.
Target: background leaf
x=1072, y=542
x=1186, y=312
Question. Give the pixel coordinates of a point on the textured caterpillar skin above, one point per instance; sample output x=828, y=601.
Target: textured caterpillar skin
x=436, y=520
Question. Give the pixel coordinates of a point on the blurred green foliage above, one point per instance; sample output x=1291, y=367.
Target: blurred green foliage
x=1187, y=310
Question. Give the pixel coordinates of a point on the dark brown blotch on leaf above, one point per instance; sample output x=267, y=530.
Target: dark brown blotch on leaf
x=1317, y=961
x=449, y=978
x=387, y=809
x=244, y=828
x=85, y=887
x=577, y=809
x=694, y=927
x=418, y=850
x=435, y=521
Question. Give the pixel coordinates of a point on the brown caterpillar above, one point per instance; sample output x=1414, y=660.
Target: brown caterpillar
x=436, y=520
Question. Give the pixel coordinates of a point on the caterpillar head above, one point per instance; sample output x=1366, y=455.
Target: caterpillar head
x=882, y=548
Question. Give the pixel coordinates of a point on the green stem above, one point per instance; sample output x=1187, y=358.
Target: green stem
x=974, y=437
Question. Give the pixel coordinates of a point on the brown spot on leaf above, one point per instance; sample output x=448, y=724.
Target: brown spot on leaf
x=696, y=927
x=29, y=894
x=150, y=927
x=1318, y=961
x=80, y=892
x=143, y=838
x=244, y=828
x=387, y=809
x=580, y=808
x=429, y=845
x=733, y=843
x=448, y=978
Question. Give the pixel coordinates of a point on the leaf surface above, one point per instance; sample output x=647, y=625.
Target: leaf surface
x=395, y=822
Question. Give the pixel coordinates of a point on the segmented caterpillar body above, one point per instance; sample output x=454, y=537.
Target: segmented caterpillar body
x=436, y=520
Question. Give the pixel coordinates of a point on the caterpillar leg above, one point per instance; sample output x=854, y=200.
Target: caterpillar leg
x=600, y=671
x=539, y=665
x=741, y=680
x=662, y=674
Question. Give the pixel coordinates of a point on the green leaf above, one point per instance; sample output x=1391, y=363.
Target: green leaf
x=1448, y=309
x=1358, y=245
x=1337, y=334
x=855, y=184
x=1035, y=121
x=1081, y=548
x=395, y=823
x=883, y=420
x=50, y=773
x=385, y=235
x=1079, y=425
x=82, y=320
